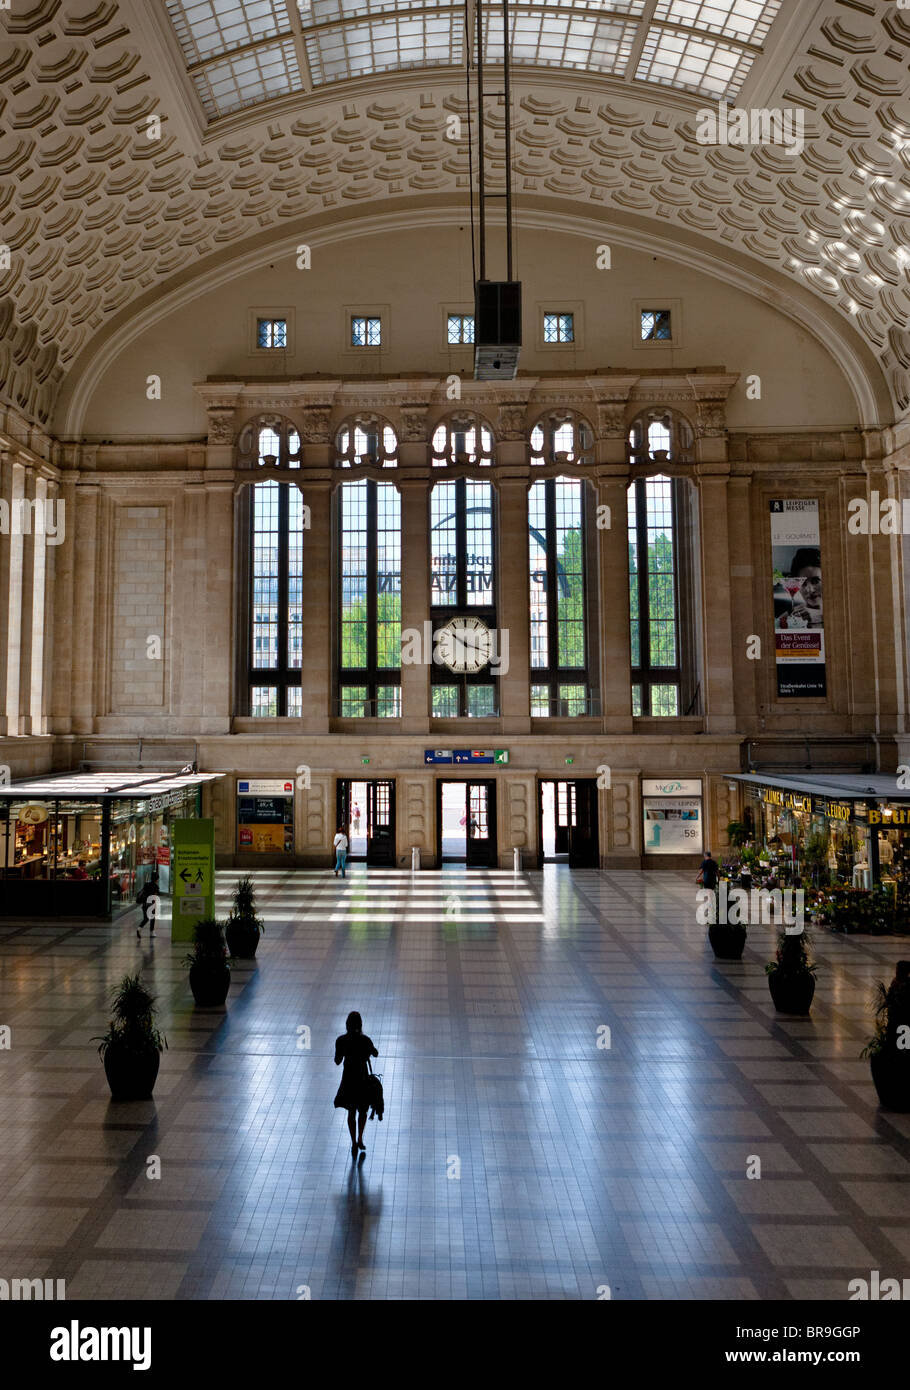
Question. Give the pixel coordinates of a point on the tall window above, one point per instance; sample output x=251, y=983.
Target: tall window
x=369, y=638
x=653, y=591
x=277, y=611
x=559, y=650
x=463, y=584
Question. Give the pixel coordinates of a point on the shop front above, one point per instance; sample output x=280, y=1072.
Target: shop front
x=83, y=844
x=846, y=836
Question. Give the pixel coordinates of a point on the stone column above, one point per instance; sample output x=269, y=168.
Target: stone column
x=514, y=596
x=720, y=708
x=415, y=589
x=11, y=560
x=33, y=598
x=316, y=673
x=87, y=542
x=613, y=593
x=219, y=643
x=64, y=601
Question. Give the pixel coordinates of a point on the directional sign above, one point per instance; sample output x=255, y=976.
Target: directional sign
x=475, y=755
x=194, y=876
x=437, y=755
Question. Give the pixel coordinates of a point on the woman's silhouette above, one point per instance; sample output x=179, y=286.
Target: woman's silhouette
x=354, y=1048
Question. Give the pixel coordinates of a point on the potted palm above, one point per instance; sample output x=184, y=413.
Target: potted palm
x=210, y=964
x=737, y=833
x=131, y=1048
x=889, y=1049
x=791, y=975
x=244, y=925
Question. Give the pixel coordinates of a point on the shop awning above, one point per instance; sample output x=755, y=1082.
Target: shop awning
x=838, y=786
x=100, y=786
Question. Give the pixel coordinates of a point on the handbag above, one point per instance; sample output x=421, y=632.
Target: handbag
x=375, y=1098
x=701, y=876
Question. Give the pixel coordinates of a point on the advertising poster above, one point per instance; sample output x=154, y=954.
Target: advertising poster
x=799, y=638
x=672, y=812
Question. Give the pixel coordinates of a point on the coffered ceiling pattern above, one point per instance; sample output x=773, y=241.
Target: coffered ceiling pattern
x=97, y=216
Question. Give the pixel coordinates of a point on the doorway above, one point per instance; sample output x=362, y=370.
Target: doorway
x=567, y=822
x=367, y=810
x=466, y=823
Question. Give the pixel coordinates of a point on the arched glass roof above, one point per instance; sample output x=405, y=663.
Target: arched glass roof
x=242, y=52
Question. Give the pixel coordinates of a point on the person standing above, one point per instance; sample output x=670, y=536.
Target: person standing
x=147, y=892
x=354, y=1048
x=707, y=877
x=356, y=816
x=341, y=851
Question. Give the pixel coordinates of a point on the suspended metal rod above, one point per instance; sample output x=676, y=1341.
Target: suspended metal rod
x=508, y=100
x=480, y=142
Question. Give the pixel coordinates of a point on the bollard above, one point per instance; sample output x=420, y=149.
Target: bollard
x=415, y=858
x=516, y=860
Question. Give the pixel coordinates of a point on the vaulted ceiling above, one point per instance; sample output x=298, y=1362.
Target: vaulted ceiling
x=100, y=216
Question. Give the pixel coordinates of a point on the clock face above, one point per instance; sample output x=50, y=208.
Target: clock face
x=465, y=645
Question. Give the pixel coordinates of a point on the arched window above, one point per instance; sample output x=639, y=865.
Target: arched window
x=462, y=438
x=369, y=619
x=463, y=586
x=654, y=597
x=562, y=436
x=561, y=658
x=660, y=436
x=269, y=442
x=366, y=439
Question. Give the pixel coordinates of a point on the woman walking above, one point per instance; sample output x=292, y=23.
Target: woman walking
x=354, y=1048
x=341, y=851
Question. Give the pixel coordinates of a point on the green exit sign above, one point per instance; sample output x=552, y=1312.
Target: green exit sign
x=570, y=760
x=500, y=755
x=364, y=761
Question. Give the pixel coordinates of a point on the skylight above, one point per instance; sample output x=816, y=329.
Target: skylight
x=240, y=53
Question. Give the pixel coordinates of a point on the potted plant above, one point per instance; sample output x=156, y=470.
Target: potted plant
x=791, y=975
x=727, y=940
x=210, y=964
x=737, y=833
x=131, y=1047
x=244, y=926
x=889, y=1049
x=748, y=860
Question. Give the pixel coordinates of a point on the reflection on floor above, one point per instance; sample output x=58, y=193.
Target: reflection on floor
x=517, y=1158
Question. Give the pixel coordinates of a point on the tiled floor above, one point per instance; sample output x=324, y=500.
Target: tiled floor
x=519, y=1157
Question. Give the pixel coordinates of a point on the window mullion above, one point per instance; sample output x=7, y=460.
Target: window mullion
x=552, y=591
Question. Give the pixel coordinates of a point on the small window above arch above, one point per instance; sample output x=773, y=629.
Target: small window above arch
x=463, y=438
x=366, y=441
x=269, y=442
x=660, y=436
x=562, y=437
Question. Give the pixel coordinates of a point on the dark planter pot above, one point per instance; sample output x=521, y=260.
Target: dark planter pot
x=891, y=1074
x=131, y=1075
x=242, y=938
x=792, y=993
x=210, y=984
x=727, y=942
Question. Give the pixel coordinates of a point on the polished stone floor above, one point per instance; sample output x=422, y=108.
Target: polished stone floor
x=519, y=1157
